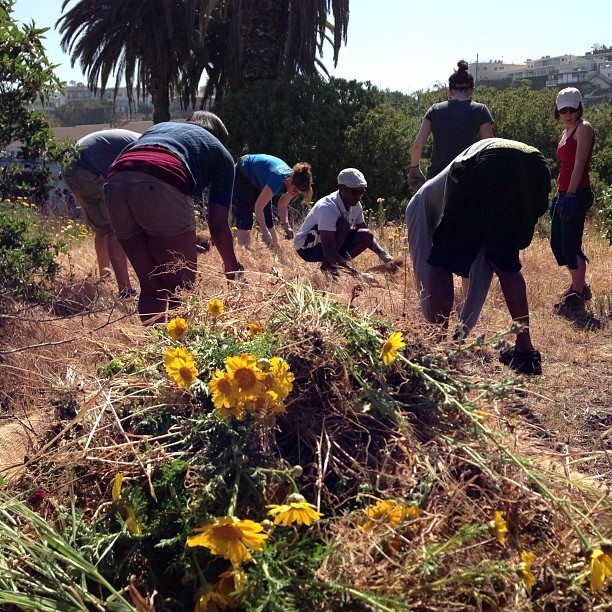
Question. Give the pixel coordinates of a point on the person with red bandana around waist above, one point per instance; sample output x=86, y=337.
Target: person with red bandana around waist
x=573, y=199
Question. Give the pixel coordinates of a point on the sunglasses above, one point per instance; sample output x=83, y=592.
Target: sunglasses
x=356, y=191
x=567, y=109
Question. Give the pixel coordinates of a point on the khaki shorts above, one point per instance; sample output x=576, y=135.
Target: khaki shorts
x=88, y=190
x=139, y=203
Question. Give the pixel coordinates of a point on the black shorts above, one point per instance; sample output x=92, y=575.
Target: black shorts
x=495, y=202
x=243, y=202
x=315, y=253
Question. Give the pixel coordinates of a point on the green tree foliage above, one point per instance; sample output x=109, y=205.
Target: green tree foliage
x=163, y=48
x=306, y=120
x=335, y=124
x=85, y=112
x=25, y=73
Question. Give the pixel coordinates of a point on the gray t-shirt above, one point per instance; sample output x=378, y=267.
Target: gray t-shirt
x=99, y=150
x=455, y=125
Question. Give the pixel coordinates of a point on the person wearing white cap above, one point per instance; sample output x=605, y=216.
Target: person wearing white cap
x=573, y=199
x=335, y=231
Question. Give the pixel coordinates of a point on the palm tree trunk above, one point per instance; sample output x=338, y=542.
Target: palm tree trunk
x=262, y=32
x=160, y=97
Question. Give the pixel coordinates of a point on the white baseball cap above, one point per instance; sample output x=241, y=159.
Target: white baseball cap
x=351, y=177
x=569, y=97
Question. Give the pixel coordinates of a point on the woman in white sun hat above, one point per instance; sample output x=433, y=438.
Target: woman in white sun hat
x=573, y=199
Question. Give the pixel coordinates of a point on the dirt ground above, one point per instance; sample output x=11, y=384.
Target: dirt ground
x=48, y=359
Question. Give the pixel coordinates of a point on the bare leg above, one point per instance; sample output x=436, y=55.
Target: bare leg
x=578, y=275
x=118, y=260
x=515, y=293
x=441, y=294
x=102, y=255
x=151, y=302
x=244, y=238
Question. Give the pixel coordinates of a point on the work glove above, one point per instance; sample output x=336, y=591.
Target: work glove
x=266, y=237
x=415, y=178
x=288, y=231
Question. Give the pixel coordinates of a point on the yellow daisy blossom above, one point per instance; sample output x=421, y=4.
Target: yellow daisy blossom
x=283, y=378
x=176, y=328
x=230, y=581
x=245, y=374
x=254, y=328
x=180, y=366
x=392, y=344
x=224, y=390
x=501, y=528
x=230, y=538
x=215, y=308
x=210, y=600
x=296, y=510
x=527, y=577
x=601, y=568
x=388, y=512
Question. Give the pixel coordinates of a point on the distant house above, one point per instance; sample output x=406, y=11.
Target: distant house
x=591, y=73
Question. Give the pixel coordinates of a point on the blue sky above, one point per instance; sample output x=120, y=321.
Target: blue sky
x=407, y=45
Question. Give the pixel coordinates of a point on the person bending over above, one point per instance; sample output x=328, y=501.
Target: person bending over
x=258, y=179
x=150, y=193
x=495, y=192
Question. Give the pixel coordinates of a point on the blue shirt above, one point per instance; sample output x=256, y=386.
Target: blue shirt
x=262, y=170
x=98, y=150
x=206, y=160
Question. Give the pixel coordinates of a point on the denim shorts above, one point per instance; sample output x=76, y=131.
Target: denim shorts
x=566, y=230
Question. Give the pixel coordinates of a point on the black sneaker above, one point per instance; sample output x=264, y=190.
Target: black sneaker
x=529, y=362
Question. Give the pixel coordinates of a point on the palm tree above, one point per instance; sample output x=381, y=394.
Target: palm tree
x=162, y=47
x=156, y=45
x=254, y=40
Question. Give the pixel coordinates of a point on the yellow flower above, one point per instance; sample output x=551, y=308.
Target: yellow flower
x=176, y=328
x=180, y=366
x=215, y=308
x=254, y=328
x=278, y=378
x=117, y=484
x=230, y=581
x=225, y=394
x=389, y=512
x=601, y=568
x=296, y=510
x=392, y=344
x=131, y=522
x=245, y=374
x=527, y=577
x=501, y=528
x=210, y=600
x=230, y=538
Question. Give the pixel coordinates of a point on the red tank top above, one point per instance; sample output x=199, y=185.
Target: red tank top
x=566, y=154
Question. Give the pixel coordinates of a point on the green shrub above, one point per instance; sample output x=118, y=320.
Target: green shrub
x=27, y=259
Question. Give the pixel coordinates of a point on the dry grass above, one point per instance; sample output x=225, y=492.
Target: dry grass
x=561, y=421
x=44, y=354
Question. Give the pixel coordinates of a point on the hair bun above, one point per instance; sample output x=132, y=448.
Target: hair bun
x=462, y=65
